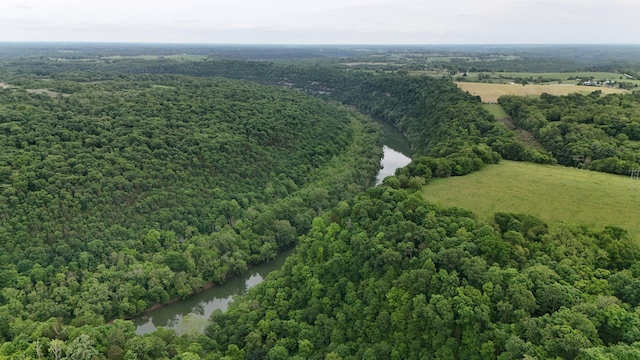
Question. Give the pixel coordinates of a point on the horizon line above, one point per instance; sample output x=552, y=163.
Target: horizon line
x=15, y=42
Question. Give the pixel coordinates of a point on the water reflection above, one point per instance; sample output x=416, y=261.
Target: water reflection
x=191, y=314
x=395, y=139
x=199, y=307
x=390, y=162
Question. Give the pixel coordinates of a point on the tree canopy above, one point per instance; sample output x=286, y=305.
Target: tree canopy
x=126, y=183
x=139, y=189
x=388, y=275
x=592, y=132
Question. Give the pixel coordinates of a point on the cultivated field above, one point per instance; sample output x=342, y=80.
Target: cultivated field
x=489, y=93
x=552, y=193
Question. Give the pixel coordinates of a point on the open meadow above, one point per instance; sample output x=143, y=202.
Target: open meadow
x=489, y=93
x=552, y=193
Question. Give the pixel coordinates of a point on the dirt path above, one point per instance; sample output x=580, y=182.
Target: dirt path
x=523, y=135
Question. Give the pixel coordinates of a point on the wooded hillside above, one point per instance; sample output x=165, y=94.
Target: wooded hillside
x=389, y=276
x=132, y=191
x=130, y=182
x=593, y=132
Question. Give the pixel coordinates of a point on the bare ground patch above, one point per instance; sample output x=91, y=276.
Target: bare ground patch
x=523, y=135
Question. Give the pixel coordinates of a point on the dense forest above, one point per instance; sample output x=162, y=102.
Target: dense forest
x=129, y=182
x=589, y=131
x=133, y=191
x=440, y=120
x=388, y=275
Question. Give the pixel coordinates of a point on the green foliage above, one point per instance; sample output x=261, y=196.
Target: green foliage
x=439, y=119
x=131, y=186
x=393, y=274
x=127, y=194
x=588, y=131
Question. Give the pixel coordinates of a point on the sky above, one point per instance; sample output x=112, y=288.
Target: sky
x=323, y=21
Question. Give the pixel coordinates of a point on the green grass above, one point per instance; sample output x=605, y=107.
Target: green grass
x=563, y=77
x=496, y=110
x=500, y=77
x=552, y=193
x=508, y=76
x=162, y=86
x=489, y=93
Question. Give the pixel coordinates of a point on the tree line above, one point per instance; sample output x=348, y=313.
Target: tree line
x=592, y=132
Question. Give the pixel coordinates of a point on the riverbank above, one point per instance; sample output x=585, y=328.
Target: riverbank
x=207, y=285
x=396, y=151
x=210, y=297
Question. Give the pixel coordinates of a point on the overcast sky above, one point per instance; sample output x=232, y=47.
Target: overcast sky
x=323, y=21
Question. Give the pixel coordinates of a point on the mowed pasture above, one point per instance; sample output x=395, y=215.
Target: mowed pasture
x=489, y=93
x=552, y=193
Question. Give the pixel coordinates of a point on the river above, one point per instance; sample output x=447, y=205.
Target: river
x=191, y=314
x=397, y=151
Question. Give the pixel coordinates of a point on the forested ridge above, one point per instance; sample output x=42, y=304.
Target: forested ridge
x=440, y=120
x=136, y=181
x=388, y=275
x=592, y=132
x=136, y=190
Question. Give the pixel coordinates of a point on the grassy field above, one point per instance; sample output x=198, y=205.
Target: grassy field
x=433, y=73
x=496, y=110
x=552, y=193
x=564, y=76
x=489, y=93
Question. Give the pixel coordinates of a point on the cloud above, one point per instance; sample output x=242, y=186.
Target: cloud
x=328, y=21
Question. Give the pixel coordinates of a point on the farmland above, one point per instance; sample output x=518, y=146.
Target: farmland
x=489, y=93
x=552, y=193
x=551, y=77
